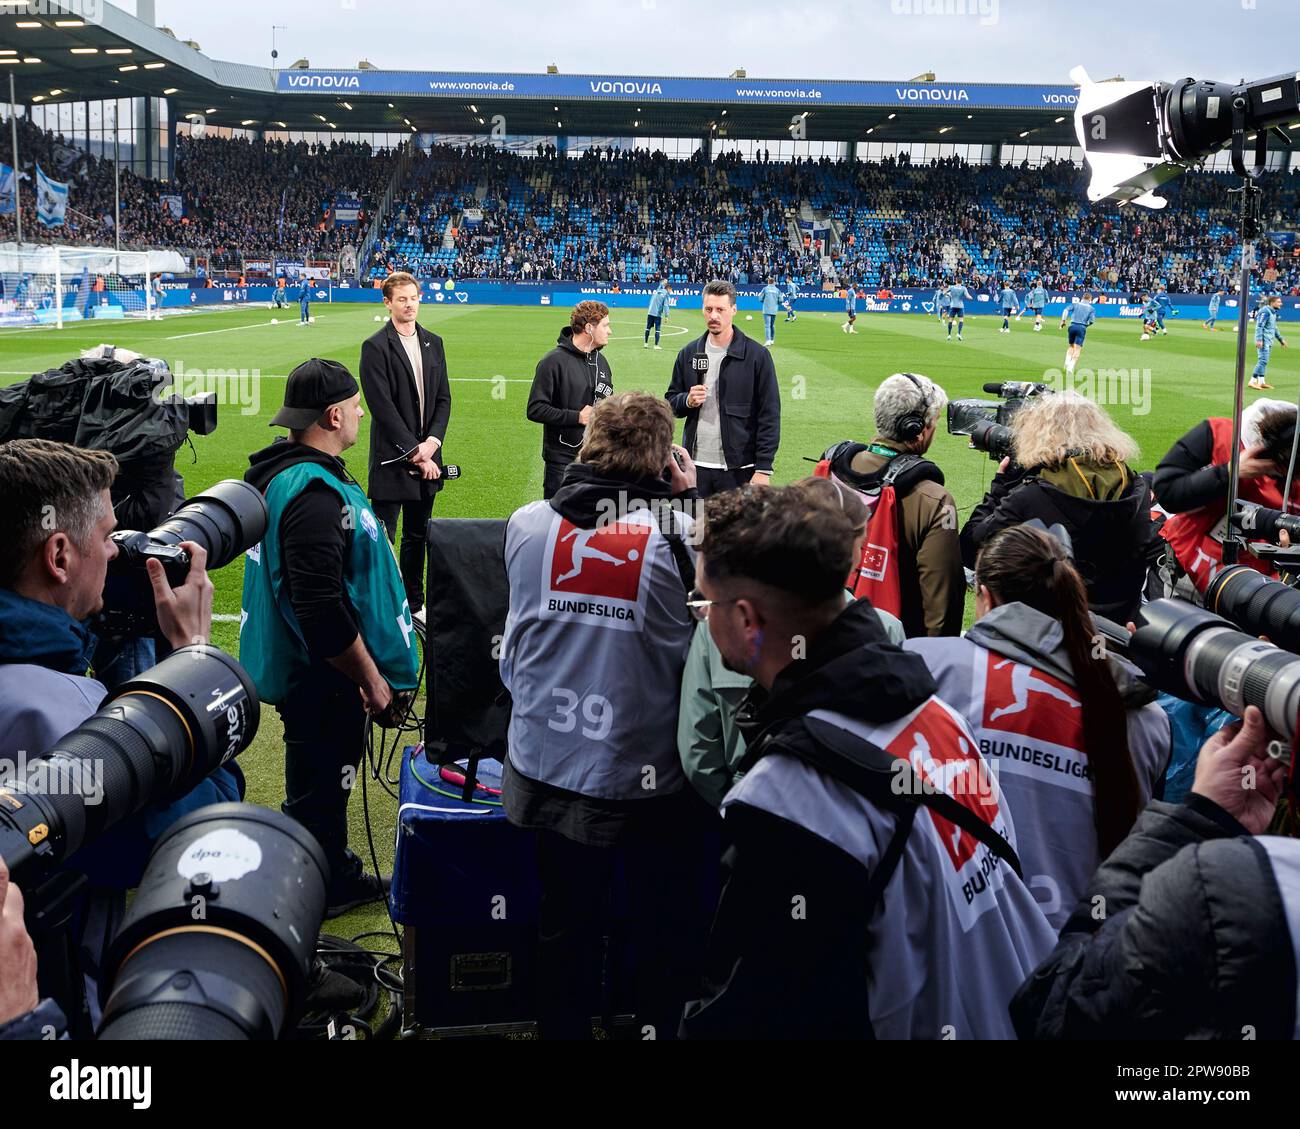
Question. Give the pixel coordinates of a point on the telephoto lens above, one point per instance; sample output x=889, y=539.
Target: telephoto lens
x=153, y=739
x=219, y=939
x=1261, y=523
x=1193, y=653
x=1256, y=603
x=226, y=520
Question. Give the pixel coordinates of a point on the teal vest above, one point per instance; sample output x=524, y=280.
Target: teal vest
x=271, y=646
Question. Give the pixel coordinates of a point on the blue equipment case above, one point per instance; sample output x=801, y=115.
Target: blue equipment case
x=465, y=889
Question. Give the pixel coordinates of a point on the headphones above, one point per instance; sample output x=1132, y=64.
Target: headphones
x=911, y=424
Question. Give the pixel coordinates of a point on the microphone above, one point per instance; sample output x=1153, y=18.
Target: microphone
x=1017, y=389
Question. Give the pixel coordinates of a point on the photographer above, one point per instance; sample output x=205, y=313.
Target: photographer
x=931, y=584
x=327, y=636
x=592, y=655
x=1191, y=482
x=1079, y=742
x=56, y=509
x=847, y=911
x=1198, y=935
x=1071, y=469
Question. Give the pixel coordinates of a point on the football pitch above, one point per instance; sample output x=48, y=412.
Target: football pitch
x=1155, y=390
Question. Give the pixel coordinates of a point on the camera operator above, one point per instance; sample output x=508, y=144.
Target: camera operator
x=592, y=655
x=1079, y=742
x=840, y=915
x=1202, y=917
x=1191, y=482
x=57, y=514
x=327, y=636
x=932, y=585
x=23, y=1014
x=1071, y=469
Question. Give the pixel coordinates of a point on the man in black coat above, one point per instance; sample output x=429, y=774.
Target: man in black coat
x=724, y=384
x=404, y=377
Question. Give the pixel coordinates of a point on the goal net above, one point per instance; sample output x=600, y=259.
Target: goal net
x=49, y=285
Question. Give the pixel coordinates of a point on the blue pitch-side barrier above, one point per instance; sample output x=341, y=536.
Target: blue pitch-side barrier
x=566, y=294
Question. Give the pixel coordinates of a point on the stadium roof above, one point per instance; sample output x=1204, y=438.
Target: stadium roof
x=87, y=50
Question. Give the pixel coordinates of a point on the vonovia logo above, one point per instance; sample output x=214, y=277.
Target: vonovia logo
x=369, y=524
x=594, y=575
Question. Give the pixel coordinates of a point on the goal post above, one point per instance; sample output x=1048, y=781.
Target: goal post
x=52, y=285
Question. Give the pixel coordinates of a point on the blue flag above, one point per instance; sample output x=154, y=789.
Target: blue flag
x=51, y=199
x=7, y=183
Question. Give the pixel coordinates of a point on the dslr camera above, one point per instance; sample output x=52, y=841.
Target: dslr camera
x=227, y=520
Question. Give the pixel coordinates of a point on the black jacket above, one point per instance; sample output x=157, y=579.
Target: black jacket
x=313, y=546
x=1187, y=478
x=1114, y=541
x=747, y=394
x=389, y=387
x=1182, y=934
x=767, y=975
x=566, y=381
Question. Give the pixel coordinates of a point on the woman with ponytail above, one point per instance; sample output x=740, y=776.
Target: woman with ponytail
x=1077, y=743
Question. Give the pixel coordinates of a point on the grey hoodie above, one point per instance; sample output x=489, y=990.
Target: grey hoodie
x=1010, y=677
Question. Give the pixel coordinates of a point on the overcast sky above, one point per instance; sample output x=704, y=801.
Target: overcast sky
x=996, y=40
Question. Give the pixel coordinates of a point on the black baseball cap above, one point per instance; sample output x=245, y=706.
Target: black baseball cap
x=311, y=388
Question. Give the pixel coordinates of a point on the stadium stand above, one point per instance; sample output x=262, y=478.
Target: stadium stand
x=632, y=216
x=241, y=199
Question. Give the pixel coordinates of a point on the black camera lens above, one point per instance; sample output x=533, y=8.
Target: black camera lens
x=1193, y=653
x=226, y=520
x=1257, y=604
x=156, y=737
x=219, y=939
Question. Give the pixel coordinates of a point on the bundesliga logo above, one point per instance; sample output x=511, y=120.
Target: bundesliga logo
x=594, y=575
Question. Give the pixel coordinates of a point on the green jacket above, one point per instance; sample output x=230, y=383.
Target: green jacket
x=271, y=646
x=707, y=738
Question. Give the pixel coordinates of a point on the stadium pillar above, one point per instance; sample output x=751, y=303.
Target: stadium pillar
x=173, y=139
x=561, y=145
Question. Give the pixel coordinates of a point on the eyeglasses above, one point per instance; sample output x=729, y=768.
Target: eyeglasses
x=700, y=606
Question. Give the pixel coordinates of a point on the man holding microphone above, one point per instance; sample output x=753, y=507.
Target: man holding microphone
x=404, y=376
x=724, y=384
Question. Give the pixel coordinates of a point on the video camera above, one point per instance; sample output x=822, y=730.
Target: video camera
x=227, y=520
x=987, y=423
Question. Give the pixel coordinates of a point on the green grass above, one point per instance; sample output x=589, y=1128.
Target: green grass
x=827, y=379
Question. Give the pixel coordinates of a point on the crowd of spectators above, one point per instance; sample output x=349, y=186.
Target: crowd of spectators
x=240, y=199
x=632, y=216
